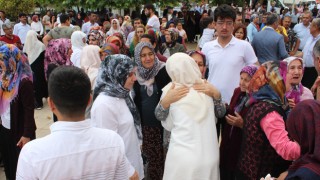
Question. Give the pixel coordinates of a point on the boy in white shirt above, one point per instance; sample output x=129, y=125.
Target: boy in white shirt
x=74, y=149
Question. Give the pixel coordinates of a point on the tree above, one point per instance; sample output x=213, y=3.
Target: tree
x=14, y=7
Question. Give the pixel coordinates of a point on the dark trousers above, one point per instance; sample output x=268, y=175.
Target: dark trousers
x=10, y=153
x=309, y=76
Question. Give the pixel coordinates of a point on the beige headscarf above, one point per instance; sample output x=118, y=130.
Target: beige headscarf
x=184, y=71
x=90, y=62
x=33, y=47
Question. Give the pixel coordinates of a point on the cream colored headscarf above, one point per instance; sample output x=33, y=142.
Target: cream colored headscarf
x=33, y=47
x=184, y=71
x=90, y=62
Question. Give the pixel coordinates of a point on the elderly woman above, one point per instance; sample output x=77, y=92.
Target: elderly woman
x=171, y=45
x=151, y=78
x=108, y=49
x=291, y=70
x=253, y=28
x=35, y=50
x=232, y=131
x=303, y=125
x=193, y=149
x=111, y=93
x=78, y=41
x=266, y=147
x=96, y=37
x=18, y=126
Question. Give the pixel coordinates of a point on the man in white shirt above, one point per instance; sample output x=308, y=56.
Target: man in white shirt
x=3, y=20
x=21, y=29
x=310, y=73
x=91, y=23
x=46, y=21
x=74, y=149
x=227, y=55
x=303, y=29
x=136, y=23
x=153, y=21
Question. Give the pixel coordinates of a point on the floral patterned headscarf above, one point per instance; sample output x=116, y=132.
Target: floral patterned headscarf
x=14, y=67
x=57, y=53
x=97, y=34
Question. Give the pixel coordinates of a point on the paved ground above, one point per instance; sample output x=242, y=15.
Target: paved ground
x=44, y=119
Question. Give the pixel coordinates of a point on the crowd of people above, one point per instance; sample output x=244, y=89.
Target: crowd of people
x=131, y=101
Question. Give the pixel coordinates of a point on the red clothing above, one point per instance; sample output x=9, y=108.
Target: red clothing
x=15, y=40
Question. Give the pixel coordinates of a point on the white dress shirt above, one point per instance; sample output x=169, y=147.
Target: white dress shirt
x=87, y=26
x=37, y=27
x=74, y=150
x=308, y=51
x=21, y=30
x=113, y=113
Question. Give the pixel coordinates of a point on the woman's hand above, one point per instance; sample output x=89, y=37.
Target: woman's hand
x=291, y=102
x=174, y=95
x=235, y=120
x=208, y=89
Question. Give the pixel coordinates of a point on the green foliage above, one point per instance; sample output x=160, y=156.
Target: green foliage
x=14, y=7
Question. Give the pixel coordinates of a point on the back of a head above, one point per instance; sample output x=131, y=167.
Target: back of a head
x=271, y=19
x=64, y=18
x=224, y=11
x=316, y=49
x=69, y=88
x=204, y=22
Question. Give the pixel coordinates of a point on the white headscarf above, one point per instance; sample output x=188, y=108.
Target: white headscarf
x=112, y=30
x=33, y=47
x=184, y=71
x=90, y=62
x=78, y=41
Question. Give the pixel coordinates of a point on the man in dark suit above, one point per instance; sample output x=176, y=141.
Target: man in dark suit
x=268, y=44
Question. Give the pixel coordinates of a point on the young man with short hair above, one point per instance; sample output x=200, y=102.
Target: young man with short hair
x=153, y=21
x=74, y=149
x=21, y=29
x=91, y=23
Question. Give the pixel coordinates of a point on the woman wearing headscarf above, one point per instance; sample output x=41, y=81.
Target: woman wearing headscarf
x=266, y=147
x=35, y=50
x=171, y=45
x=78, y=41
x=96, y=36
x=108, y=49
x=16, y=106
x=118, y=41
x=151, y=78
x=232, y=130
x=193, y=150
x=58, y=53
x=114, y=109
x=303, y=125
x=291, y=70
x=37, y=26
x=115, y=27
x=126, y=26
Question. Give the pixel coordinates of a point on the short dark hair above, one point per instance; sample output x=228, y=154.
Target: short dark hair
x=2, y=12
x=149, y=7
x=69, y=88
x=224, y=11
x=64, y=18
x=148, y=36
x=271, y=19
x=22, y=14
x=204, y=22
x=137, y=19
x=92, y=12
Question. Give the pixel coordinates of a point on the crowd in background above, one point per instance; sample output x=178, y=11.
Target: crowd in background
x=131, y=101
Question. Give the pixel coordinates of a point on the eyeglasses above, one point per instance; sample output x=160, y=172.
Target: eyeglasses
x=228, y=23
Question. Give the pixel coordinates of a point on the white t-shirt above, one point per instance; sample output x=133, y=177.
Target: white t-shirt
x=130, y=38
x=74, y=150
x=154, y=22
x=226, y=63
x=87, y=26
x=182, y=32
x=113, y=113
x=303, y=34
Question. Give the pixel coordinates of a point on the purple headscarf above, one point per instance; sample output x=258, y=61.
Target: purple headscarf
x=250, y=69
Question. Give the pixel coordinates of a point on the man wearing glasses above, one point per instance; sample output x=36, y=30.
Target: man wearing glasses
x=9, y=37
